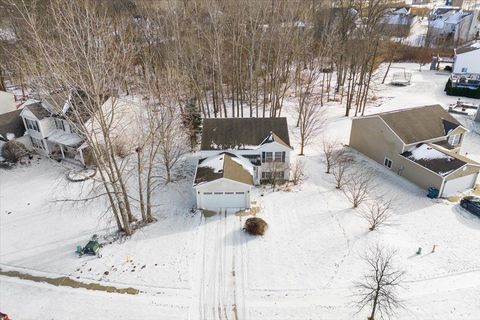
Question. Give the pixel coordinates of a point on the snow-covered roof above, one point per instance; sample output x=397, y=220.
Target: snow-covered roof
x=224, y=165
x=457, y=17
x=65, y=138
x=436, y=159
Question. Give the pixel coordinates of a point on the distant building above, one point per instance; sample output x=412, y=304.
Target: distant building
x=449, y=25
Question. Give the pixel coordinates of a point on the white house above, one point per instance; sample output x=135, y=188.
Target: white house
x=467, y=58
x=449, y=24
x=49, y=132
x=7, y=102
x=237, y=153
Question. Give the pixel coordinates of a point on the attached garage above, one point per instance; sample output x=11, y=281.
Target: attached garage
x=459, y=184
x=228, y=199
x=223, y=181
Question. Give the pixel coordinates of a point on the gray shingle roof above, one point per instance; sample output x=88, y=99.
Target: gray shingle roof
x=11, y=122
x=242, y=133
x=420, y=124
x=467, y=48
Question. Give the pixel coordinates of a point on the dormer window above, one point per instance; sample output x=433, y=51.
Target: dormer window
x=455, y=139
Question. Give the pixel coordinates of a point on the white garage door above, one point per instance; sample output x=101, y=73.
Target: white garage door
x=214, y=200
x=459, y=185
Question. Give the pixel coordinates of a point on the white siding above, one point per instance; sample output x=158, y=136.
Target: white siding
x=469, y=60
x=7, y=102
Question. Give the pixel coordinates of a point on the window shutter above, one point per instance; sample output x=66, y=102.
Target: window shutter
x=283, y=156
x=263, y=156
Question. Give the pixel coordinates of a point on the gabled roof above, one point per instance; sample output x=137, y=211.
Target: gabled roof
x=242, y=133
x=38, y=110
x=468, y=48
x=421, y=123
x=11, y=123
x=224, y=165
x=436, y=159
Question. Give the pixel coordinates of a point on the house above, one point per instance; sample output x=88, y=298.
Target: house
x=398, y=21
x=466, y=59
x=236, y=154
x=421, y=144
x=7, y=102
x=449, y=25
x=48, y=129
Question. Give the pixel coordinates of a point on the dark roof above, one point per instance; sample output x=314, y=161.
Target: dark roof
x=420, y=124
x=11, y=122
x=435, y=159
x=38, y=110
x=467, y=48
x=239, y=133
x=230, y=169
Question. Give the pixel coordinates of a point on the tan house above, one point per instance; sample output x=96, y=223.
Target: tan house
x=421, y=144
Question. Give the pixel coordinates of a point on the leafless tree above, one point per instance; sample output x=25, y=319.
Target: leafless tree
x=311, y=121
x=378, y=288
x=341, y=167
x=358, y=186
x=333, y=153
x=378, y=212
x=298, y=171
x=274, y=171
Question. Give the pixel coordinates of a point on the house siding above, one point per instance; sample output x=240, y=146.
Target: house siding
x=372, y=137
x=417, y=174
x=467, y=60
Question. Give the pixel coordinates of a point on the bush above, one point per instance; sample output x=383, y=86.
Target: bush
x=13, y=150
x=255, y=226
x=461, y=92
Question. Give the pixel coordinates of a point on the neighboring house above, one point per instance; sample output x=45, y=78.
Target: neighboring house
x=7, y=102
x=236, y=154
x=49, y=131
x=398, y=21
x=12, y=128
x=421, y=144
x=467, y=58
x=466, y=66
x=449, y=25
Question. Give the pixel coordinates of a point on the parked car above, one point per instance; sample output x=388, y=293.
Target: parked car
x=3, y=316
x=471, y=204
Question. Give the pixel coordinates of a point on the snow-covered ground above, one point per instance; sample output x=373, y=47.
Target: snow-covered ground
x=190, y=267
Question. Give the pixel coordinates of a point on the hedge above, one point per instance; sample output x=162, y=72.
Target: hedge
x=461, y=92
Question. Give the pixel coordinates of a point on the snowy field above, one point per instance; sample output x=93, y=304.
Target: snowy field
x=189, y=267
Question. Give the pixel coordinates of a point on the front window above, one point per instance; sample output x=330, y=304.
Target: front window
x=37, y=143
x=59, y=124
x=455, y=139
x=267, y=156
x=464, y=70
x=32, y=125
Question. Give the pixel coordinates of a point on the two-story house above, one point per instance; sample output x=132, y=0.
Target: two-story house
x=236, y=154
x=49, y=131
x=421, y=144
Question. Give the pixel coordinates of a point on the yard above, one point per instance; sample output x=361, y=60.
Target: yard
x=190, y=267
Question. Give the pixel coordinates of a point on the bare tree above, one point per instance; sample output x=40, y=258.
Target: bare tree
x=311, y=121
x=274, y=173
x=378, y=289
x=341, y=167
x=332, y=154
x=298, y=171
x=358, y=186
x=377, y=212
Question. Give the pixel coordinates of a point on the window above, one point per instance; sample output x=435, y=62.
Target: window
x=218, y=193
x=387, y=162
x=32, y=124
x=239, y=192
x=279, y=156
x=266, y=175
x=464, y=70
x=228, y=192
x=37, y=143
x=455, y=139
x=207, y=193
x=59, y=124
x=267, y=156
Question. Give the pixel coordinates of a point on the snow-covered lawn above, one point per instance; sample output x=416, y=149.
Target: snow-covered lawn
x=189, y=267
